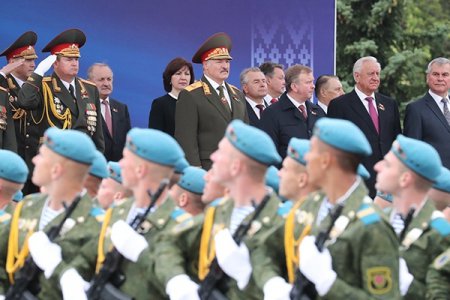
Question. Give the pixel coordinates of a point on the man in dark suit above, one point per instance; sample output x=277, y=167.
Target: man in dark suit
x=254, y=86
x=116, y=119
x=62, y=100
x=375, y=114
x=428, y=118
x=205, y=107
x=293, y=115
x=276, y=83
x=21, y=57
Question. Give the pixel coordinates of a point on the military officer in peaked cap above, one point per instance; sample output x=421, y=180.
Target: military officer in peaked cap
x=21, y=57
x=205, y=107
x=63, y=100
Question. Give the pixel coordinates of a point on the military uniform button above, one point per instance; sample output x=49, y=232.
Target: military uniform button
x=26, y=147
x=28, y=124
x=27, y=135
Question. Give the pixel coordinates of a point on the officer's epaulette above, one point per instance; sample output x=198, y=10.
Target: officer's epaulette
x=87, y=81
x=193, y=86
x=98, y=213
x=47, y=78
x=3, y=89
x=284, y=208
x=4, y=217
x=439, y=223
x=180, y=215
x=367, y=214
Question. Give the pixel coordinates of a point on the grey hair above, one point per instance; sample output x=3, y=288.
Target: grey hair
x=91, y=68
x=439, y=61
x=358, y=64
x=243, y=77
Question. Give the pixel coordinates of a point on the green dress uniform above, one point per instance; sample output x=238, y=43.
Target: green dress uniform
x=53, y=106
x=76, y=231
x=138, y=276
x=427, y=236
x=363, y=247
x=201, y=119
x=7, y=130
x=438, y=278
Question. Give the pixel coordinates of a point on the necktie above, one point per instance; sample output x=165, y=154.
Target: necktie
x=373, y=114
x=446, y=111
x=223, y=99
x=72, y=92
x=274, y=100
x=108, y=119
x=302, y=109
x=261, y=109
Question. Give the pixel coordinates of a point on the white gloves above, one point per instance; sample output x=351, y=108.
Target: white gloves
x=73, y=286
x=45, y=65
x=46, y=255
x=276, y=288
x=316, y=265
x=127, y=241
x=233, y=259
x=181, y=287
x=405, y=277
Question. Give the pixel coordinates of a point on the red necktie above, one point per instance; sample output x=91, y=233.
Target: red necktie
x=302, y=109
x=108, y=119
x=274, y=100
x=373, y=114
x=261, y=109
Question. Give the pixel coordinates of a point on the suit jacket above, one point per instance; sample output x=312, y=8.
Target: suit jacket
x=201, y=120
x=253, y=118
x=85, y=112
x=162, y=114
x=350, y=107
x=283, y=121
x=425, y=121
x=121, y=125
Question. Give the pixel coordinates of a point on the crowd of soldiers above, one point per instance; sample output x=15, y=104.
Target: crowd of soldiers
x=153, y=227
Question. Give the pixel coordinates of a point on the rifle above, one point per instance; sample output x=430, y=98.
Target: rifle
x=26, y=286
x=106, y=282
x=207, y=289
x=303, y=288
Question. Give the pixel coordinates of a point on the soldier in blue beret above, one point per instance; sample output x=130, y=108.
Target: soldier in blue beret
x=13, y=175
x=213, y=190
x=188, y=192
x=361, y=259
x=440, y=193
x=97, y=172
x=179, y=167
x=61, y=167
x=272, y=178
x=111, y=189
x=408, y=172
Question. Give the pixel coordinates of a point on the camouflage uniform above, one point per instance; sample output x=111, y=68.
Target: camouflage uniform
x=438, y=277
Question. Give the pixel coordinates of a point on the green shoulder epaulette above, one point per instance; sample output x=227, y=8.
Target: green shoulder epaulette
x=180, y=215
x=439, y=223
x=98, y=213
x=47, y=78
x=367, y=214
x=195, y=85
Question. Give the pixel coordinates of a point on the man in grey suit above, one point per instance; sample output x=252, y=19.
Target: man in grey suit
x=428, y=118
x=205, y=107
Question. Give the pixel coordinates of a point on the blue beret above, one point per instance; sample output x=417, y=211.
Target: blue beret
x=192, y=180
x=272, y=178
x=12, y=167
x=115, y=172
x=362, y=171
x=297, y=149
x=99, y=167
x=385, y=196
x=443, y=181
x=72, y=144
x=181, y=164
x=253, y=142
x=418, y=156
x=342, y=135
x=155, y=146
x=18, y=196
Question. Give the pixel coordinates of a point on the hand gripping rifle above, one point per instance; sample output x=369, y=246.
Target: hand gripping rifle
x=208, y=287
x=303, y=288
x=106, y=282
x=25, y=285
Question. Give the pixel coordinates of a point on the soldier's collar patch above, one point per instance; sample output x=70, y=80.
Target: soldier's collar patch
x=379, y=280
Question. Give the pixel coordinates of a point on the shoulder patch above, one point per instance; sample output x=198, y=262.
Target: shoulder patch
x=98, y=213
x=180, y=215
x=193, y=86
x=4, y=217
x=441, y=225
x=442, y=260
x=379, y=280
x=367, y=214
x=284, y=208
x=87, y=81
